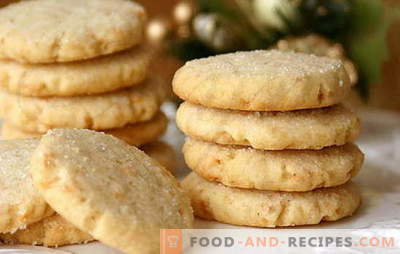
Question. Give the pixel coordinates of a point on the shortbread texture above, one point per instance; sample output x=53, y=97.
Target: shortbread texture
x=94, y=76
x=48, y=31
x=53, y=231
x=302, y=129
x=100, y=112
x=286, y=170
x=20, y=202
x=263, y=81
x=257, y=208
x=109, y=189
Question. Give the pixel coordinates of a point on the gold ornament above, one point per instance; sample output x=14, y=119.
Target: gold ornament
x=320, y=46
x=272, y=13
x=157, y=30
x=183, y=15
x=183, y=12
x=215, y=32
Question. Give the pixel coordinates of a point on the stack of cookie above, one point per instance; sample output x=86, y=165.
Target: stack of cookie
x=269, y=143
x=78, y=64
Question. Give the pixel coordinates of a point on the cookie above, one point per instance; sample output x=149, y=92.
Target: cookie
x=163, y=153
x=263, y=81
x=133, y=134
x=142, y=133
x=48, y=31
x=99, y=75
x=286, y=170
x=302, y=129
x=109, y=189
x=213, y=201
x=20, y=202
x=54, y=231
x=100, y=112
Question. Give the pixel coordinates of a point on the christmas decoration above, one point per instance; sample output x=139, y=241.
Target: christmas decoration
x=273, y=13
x=221, y=26
x=158, y=30
x=183, y=15
x=330, y=18
x=203, y=28
x=216, y=32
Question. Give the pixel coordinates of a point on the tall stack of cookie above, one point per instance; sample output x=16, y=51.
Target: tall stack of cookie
x=269, y=143
x=78, y=64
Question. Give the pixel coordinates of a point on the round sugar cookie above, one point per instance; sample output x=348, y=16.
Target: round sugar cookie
x=94, y=76
x=302, y=129
x=20, y=202
x=109, y=189
x=286, y=170
x=161, y=152
x=258, y=208
x=48, y=31
x=53, y=231
x=263, y=81
x=98, y=112
x=133, y=134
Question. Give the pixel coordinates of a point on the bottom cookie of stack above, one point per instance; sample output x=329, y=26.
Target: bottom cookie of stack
x=214, y=201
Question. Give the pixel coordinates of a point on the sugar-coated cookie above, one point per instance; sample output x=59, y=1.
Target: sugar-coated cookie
x=99, y=112
x=286, y=170
x=236, y=206
x=110, y=189
x=53, y=231
x=301, y=129
x=94, y=76
x=20, y=202
x=263, y=81
x=48, y=31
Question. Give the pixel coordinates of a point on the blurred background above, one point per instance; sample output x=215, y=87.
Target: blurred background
x=365, y=34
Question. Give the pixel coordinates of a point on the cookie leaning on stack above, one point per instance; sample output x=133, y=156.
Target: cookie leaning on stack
x=269, y=143
x=78, y=64
x=99, y=186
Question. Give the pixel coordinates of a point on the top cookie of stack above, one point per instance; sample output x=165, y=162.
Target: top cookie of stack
x=263, y=81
